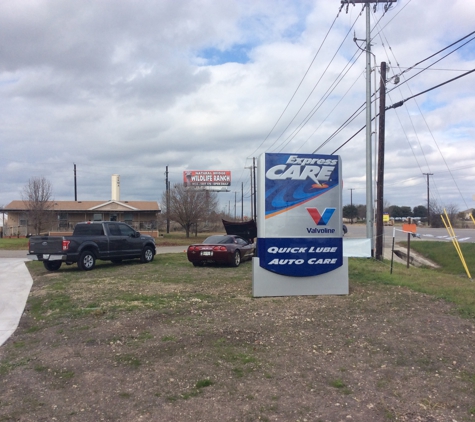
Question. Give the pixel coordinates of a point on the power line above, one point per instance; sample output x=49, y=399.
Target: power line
x=299, y=85
x=329, y=91
x=438, y=148
x=360, y=110
x=327, y=116
x=317, y=83
x=424, y=69
x=400, y=103
x=440, y=51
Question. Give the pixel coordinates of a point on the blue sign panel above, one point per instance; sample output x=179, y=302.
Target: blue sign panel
x=300, y=257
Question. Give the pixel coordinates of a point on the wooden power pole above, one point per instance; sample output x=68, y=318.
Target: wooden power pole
x=380, y=180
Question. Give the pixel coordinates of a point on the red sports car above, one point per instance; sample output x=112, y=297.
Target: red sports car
x=224, y=249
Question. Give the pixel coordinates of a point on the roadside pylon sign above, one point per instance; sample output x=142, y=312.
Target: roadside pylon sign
x=299, y=223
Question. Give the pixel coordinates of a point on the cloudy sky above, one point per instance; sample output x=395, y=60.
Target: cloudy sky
x=130, y=87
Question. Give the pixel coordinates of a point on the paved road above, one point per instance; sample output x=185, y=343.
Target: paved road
x=12, y=254
x=426, y=233
x=354, y=231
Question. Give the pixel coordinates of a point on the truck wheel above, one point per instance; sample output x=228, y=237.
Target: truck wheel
x=52, y=265
x=236, y=259
x=87, y=261
x=147, y=255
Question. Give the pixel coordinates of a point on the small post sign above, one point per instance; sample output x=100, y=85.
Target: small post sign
x=300, y=245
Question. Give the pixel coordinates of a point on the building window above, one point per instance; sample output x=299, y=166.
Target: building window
x=63, y=220
x=128, y=217
x=97, y=217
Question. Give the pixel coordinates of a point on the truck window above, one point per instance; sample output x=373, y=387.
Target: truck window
x=88, y=230
x=126, y=230
x=114, y=230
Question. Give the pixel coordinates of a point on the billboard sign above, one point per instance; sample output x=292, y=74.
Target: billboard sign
x=299, y=217
x=207, y=178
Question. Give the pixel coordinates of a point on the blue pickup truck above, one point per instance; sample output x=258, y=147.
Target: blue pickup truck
x=107, y=241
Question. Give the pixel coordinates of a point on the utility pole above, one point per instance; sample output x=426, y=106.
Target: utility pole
x=369, y=170
x=351, y=202
x=242, y=201
x=380, y=180
x=369, y=154
x=252, y=189
x=428, y=198
x=254, y=177
x=75, y=185
x=167, y=196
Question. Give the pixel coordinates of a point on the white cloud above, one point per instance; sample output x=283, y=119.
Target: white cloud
x=129, y=88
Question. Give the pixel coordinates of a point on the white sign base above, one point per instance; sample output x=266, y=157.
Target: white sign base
x=267, y=283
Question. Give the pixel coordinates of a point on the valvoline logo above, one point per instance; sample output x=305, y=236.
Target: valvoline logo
x=321, y=219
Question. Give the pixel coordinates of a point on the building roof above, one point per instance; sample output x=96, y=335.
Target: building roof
x=71, y=206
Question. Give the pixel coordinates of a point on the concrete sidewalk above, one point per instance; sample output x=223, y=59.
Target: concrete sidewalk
x=15, y=285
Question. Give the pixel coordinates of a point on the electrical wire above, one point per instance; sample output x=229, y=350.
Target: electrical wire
x=443, y=57
x=400, y=103
x=351, y=118
x=317, y=83
x=329, y=91
x=327, y=116
x=422, y=150
x=299, y=85
x=440, y=51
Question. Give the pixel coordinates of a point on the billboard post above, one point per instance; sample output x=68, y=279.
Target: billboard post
x=299, y=220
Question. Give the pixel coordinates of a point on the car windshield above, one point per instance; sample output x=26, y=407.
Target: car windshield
x=214, y=240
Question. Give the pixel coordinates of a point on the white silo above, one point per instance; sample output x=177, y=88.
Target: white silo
x=115, y=187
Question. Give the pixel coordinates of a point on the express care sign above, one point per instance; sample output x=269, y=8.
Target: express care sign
x=300, y=233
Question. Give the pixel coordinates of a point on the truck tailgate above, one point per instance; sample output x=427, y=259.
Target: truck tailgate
x=46, y=245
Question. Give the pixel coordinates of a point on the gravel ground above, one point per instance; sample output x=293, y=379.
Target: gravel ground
x=381, y=353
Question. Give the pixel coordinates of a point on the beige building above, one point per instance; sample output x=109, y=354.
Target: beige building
x=141, y=215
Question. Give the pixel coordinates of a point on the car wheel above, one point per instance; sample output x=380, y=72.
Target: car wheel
x=236, y=259
x=87, y=261
x=52, y=265
x=147, y=255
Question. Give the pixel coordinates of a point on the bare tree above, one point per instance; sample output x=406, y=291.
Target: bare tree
x=37, y=196
x=189, y=206
x=437, y=209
